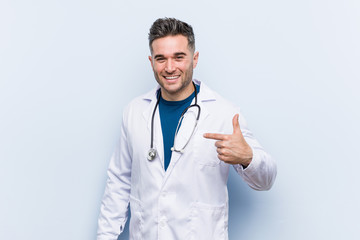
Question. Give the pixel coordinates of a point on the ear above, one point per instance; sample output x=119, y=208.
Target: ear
x=151, y=62
x=195, y=59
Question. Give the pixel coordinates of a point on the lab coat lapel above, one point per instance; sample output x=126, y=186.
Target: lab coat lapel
x=147, y=113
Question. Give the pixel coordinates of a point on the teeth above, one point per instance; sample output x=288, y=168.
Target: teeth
x=174, y=77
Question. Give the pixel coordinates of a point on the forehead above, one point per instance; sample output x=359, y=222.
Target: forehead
x=170, y=44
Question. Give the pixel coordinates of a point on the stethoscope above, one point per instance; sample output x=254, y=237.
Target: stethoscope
x=152, y=151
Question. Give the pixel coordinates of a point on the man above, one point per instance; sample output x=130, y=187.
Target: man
x=172, y=162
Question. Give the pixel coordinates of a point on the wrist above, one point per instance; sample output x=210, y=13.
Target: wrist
x=248, y=159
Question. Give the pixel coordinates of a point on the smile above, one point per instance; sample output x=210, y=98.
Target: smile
x=171, y=77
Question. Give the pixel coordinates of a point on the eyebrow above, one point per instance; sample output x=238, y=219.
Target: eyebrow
x=180, y=54
x=175, y=54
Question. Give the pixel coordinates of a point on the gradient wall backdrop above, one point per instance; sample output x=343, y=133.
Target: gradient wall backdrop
x=68, y=68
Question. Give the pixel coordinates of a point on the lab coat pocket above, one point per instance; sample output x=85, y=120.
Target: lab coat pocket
x=208, y=222
x=136, y=220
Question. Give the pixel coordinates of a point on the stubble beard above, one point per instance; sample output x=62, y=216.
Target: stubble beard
x=187, y=79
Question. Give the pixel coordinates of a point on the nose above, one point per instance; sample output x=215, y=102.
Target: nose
x=170, y=66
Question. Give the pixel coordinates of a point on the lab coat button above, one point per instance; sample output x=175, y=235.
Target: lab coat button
x=162, y=224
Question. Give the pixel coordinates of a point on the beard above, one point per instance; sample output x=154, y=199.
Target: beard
x=170, y=89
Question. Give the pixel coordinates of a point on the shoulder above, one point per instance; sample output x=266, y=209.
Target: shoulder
x=219, y=107
x=134, y=110
x=213, y=99
x=141, y=102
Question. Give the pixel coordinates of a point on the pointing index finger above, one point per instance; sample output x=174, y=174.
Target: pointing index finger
x=215, y=136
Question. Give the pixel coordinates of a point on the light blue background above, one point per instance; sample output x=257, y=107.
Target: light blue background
x=68, y=68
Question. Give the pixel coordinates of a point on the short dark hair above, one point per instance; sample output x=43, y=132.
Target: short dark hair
x=163, y=27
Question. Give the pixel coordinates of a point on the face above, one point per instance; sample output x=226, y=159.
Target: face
x=173, y=63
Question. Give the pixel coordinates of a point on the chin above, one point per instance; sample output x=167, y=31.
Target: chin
x=172, y=89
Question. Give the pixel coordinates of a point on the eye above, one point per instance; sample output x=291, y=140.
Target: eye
x=160, y=60
x=180, y=57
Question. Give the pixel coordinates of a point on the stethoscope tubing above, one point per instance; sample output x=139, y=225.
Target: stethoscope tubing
x=177, y=128
x=152, y=122
x=152, y=151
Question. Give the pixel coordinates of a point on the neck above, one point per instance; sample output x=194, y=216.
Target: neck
x=181, y=95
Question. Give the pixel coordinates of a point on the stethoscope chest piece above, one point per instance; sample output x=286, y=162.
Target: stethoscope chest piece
x=151, y=154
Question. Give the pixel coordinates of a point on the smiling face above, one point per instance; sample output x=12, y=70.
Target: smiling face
x=173, y=62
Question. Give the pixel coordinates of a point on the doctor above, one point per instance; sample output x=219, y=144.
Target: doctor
x=176, y=146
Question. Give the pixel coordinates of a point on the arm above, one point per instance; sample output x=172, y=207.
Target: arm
x=114, y=206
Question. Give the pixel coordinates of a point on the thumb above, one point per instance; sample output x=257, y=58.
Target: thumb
x=236, y=125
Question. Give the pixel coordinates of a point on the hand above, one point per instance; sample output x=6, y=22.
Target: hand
x=232, y=148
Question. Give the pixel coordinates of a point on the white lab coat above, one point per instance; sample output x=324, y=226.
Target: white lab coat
x=189, y=200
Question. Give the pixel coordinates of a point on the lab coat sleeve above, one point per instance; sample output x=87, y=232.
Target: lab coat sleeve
x=261, y=172
x=115, y=202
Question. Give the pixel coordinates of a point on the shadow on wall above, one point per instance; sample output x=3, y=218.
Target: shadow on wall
x=240, y=206
x=125, y=233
